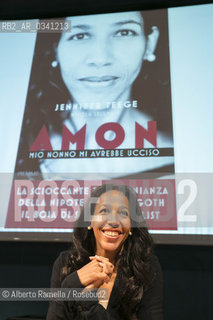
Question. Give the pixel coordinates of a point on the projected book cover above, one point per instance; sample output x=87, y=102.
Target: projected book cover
x=98, y=108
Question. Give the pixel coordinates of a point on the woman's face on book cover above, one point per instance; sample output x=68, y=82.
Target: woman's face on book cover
x=102, y=55
x=111, y=221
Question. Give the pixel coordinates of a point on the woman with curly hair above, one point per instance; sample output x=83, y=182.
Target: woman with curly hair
x=114, y=251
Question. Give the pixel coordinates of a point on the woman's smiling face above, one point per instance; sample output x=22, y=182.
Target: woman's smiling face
x=102, y=55
x=111, y=221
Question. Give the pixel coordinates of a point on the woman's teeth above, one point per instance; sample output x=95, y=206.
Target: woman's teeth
x=111, y=233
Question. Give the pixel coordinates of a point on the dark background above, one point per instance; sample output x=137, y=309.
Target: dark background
x=188, y=270
x=21, y=9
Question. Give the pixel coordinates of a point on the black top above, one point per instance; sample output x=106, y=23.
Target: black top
x=150, y=307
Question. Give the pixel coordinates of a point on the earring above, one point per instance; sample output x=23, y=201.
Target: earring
x=54, y=63
x=151, y=57
x=89, y=227
x=130, y=233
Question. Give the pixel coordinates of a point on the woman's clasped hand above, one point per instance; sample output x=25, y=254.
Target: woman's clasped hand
x=96, y=272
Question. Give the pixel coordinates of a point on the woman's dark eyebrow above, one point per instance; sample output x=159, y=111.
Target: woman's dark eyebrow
x=108, y=205
x=124, y=207
x=120, y=23
x=81, y=26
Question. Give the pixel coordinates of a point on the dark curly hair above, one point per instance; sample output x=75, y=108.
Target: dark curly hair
x=134, y=260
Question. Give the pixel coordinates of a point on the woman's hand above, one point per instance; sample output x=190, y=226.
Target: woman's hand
x=96, y=272
x=108, y=267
